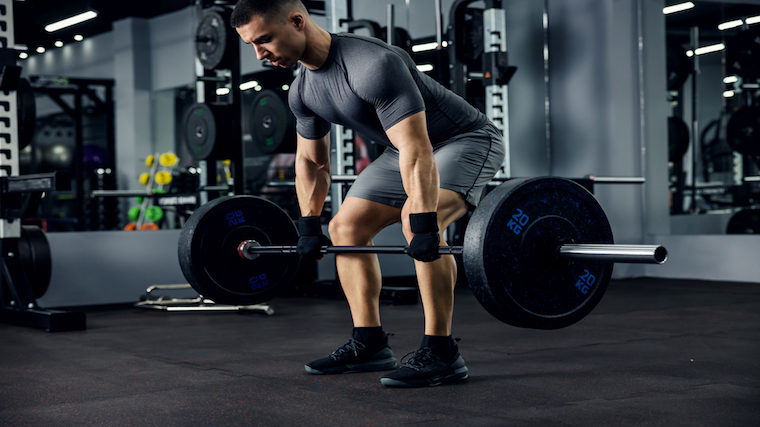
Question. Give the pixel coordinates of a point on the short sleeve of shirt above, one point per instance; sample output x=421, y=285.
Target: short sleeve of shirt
x=385, y=82
x=308, y=124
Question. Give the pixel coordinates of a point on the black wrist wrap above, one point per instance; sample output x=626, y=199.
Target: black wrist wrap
x=309, y=226
x=424, y=222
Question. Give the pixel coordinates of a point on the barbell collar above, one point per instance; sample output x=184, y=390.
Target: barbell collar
x=636, y=254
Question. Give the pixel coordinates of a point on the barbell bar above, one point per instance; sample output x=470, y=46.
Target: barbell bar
x=341, y=179
x=537, y=252
x=636, y=254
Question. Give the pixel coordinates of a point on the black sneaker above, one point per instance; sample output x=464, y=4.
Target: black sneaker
x=425, y=369
x=354, y=356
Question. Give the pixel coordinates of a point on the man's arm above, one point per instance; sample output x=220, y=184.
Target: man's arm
x=312, y=174
x=418, y=170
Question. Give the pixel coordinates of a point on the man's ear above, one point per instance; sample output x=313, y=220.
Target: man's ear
x=297, y=20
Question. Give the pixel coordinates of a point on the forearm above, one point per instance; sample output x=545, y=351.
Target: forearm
x=312, y=177
x=420, y=177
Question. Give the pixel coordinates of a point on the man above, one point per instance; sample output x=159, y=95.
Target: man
x=441, y=153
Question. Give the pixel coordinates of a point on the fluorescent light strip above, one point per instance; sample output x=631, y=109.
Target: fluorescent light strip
x=79, y=37
x=249, y=85
x=425, y=67
x=728, y=94
x=738, y=23
x=730, y=79
x=428, y=46
x=424, y=46
x=709, y=49
x=677, y=8
x=730, y=24
x=222, y=91
x=71, y=21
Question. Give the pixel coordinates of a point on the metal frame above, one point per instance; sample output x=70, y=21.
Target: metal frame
x=54, y=88
x=338, y=13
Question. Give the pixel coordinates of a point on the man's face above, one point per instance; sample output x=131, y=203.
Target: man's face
x=281, y=43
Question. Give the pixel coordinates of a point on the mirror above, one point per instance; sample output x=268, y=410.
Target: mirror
x=713, y=66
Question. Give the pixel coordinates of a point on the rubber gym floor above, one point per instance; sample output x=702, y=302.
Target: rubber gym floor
x=654, y=353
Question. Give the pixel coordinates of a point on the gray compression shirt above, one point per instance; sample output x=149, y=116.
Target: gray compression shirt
x=369, y=86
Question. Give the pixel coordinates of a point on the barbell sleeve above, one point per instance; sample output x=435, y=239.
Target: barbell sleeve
x=641, y=254
x=646, y=254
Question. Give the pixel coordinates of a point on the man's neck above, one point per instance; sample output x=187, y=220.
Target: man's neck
x=317, y=47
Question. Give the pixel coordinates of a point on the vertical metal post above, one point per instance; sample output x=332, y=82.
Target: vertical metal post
x=78, y=159
x=439, y=23
x=390, y=28
x=694, y=118
x=238, y=160
x=495, y=40
x=341, y=139
x=9, y=145
x=200, y=98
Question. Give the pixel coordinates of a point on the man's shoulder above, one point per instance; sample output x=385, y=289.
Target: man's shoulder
x=364, y=48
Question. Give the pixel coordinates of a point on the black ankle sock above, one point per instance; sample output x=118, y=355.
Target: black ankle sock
x=444, y=347
x=372, y=335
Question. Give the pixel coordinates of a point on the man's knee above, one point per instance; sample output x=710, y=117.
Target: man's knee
x=349, y=230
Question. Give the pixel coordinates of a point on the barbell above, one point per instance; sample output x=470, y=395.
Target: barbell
x=537, y=252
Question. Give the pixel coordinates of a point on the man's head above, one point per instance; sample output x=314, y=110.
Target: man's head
x=273, y=27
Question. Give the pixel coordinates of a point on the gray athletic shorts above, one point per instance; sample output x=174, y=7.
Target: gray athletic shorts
x=466, y=163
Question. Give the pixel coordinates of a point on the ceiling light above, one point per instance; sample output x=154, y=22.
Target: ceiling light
x=79, y=37
x=730, y=24
x=710, y=49
x=424, y=46
x=285, y=87
x=753, y=20
x=23, y=55
x=58, y=43
x=40, y=49
x=728, y=94
x=222, y=91
x=258, y=88
x=730, y=79
x=71, y=21
x=677, y=8
x=249, y=85
x=425, y=67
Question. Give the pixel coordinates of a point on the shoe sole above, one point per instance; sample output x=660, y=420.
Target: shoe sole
x=459, y=374
x=374, y=366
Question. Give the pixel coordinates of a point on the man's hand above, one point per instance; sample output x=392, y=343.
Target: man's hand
x=311, y=238
x=424, y=244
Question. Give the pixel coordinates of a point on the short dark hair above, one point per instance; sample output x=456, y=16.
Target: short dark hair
x=245, y=10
